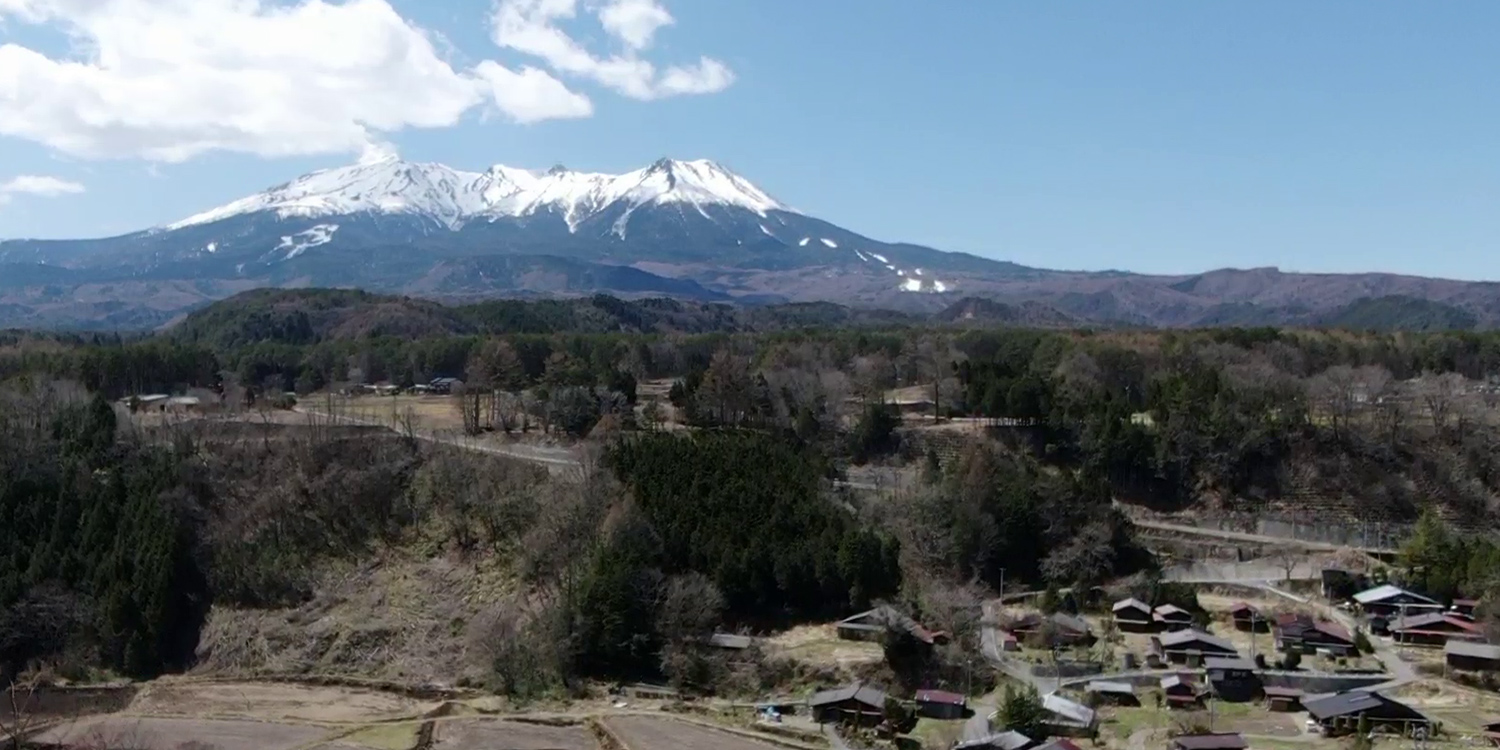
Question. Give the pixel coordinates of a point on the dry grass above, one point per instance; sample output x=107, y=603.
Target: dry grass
x=402, y=617
x=653, y=733
x=511, y=735
x=169, y=734
x=270, y=702
x=820, y=646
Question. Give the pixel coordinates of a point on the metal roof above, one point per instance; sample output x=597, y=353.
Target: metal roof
x=1342, y=704
x=1002, y=741
x=941, y=696
x=1131, y=603
x=1076, y=713
x=857, y=692
x=1387, y=591
x=730, y=640
x=1227, y=662
x=1106, y=686
x=1456, y=647
x=1229, y=741
x=1182, y=637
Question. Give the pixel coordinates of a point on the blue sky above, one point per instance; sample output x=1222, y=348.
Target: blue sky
x=1163, y=137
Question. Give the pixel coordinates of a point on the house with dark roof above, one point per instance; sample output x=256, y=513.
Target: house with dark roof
x=941, y=704
x=1305, y=634
x=1471, y=657
x=1220, y=741
x=1172, y=617
x=1283, y=698
x=1107, y=692
x=1434, y=629
x=1391, y=600
x=852, y=704
x=873, y=625
x=1068, y=718
x=1179, y=692
x=1247, y=618
x=1340, y=713
x=1465, y=607
x=1232, y=678
x=1133, y=616
x=999, y=741
x=1189, y=646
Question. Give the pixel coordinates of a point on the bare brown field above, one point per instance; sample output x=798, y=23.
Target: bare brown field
x=651, y=733
x=511, y=735
x=820, y=645
x=271, y=702
x=168, y=734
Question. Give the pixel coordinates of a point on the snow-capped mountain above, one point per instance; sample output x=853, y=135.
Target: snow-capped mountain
x=681, y=228
x=452, y=197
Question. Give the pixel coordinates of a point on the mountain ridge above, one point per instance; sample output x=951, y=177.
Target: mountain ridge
x=689, y=229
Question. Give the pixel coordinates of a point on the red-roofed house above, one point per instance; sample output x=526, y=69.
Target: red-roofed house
x=1435, y=628
x=941, y=704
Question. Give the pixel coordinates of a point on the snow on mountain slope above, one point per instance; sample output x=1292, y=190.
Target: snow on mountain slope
x=453, y=197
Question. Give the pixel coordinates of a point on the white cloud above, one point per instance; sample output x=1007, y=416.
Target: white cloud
x=634, y=22
x=37, y=185
x=531, y=27
x=168, y=80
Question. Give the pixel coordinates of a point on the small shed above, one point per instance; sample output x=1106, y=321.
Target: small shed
x=1283, y=699
x=1248, y=618
x=1217, y=741
x=1068, y=718
x=852, y=704
x=1000, y=741
x=1133, y=615
x=730, y=641
x=1105, y=692
x=1492, y=732
x=941, y=704
x=1172, y=617
x=1179, y=692
x=1471, y=657
x=1232, y=678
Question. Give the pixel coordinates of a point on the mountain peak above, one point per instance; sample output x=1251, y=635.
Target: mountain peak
x=382, y=183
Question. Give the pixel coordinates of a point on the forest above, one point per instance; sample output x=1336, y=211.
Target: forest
x=120, y=543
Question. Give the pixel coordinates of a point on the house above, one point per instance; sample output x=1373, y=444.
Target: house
x=941, y=704
x=1133, y=616
x=851, y=704
x=1492, y=732
x=1232, y=678
x=1305, y=634
x=1434, y=628
x=1471, y=657
x=1341, y=713
x=1247, y=618
x=730, y=641
x=1001, y=741
x=445, y=386
x=874, y=624
x=1058, y=743
x=1008, y=642
x=1224, y=741
x=1172, y=617
x=1465, y=607
x=1105, y=692
x=1283, y=699
x=1190, y=646
x=1063, y=629
x=1388, y=600
x=1179, y=692
x=1068, y=718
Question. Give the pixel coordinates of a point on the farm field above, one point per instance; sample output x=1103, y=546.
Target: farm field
x=651, y=733
x=471, y=734
x=169, y=734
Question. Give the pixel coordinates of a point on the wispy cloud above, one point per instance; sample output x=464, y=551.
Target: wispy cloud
x=37, y=185
x=534, y=28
